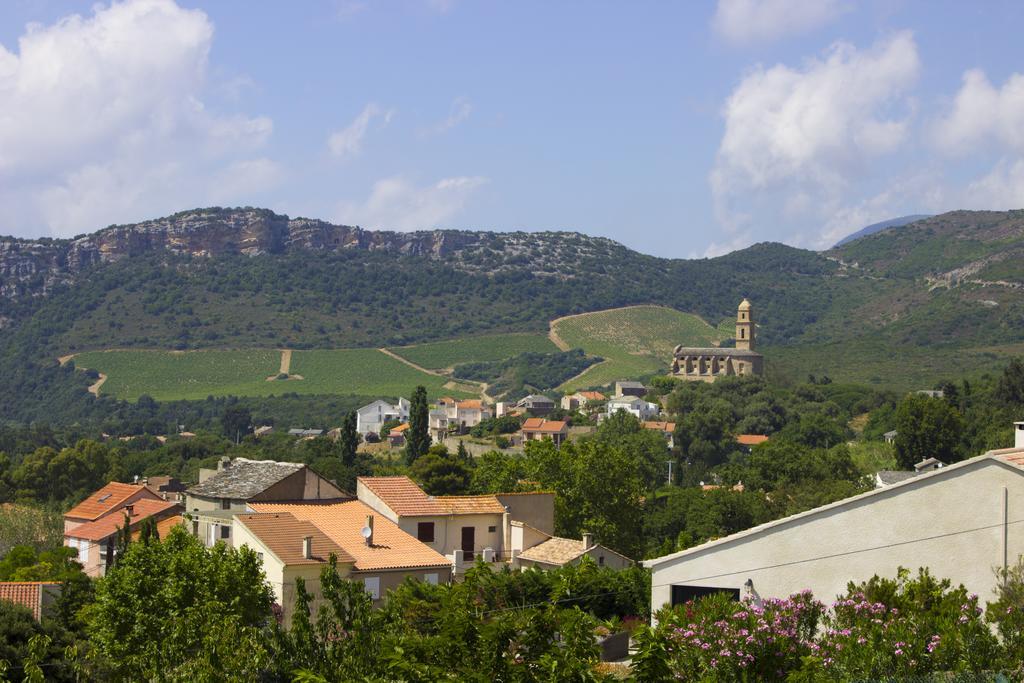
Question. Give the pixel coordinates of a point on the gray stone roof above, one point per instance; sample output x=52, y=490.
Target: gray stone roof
x=245, y=478
x=889, y=477
x=631, y=385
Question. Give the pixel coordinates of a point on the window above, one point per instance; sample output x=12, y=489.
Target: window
x=683, y=594
x=372, y=586
x=225, y=504
x=225, y=532
x=430, y=578
x=492, y=529
x=425, y=532
x=82, y=546
x=600, y=561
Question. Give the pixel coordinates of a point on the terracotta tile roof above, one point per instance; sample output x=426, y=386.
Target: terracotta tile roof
x=750, y=439
x=402, y=495
x=555, y=550
x=1012, y=456
x=282, y=535
x=470, y=505
x=392, y=548
x=471, y=404
x=539, y=424
x=28, y=594
x=660, y=426
x=108, y=498
x=107, y=525
x=395, y=431
x=245, y=478
x=591, y=395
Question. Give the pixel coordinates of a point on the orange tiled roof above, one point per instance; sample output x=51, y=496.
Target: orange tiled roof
x=28, y=594
x=395, y=431
x=108, y=498
x=660, y=426
x=392, y=548
x=471, y=404
x=283, y=535
x=539, y=424
x=591, y=395
x=1012, y=456
x=108, y=524
x=468, y=505
x=750, y=439
x=402, y=495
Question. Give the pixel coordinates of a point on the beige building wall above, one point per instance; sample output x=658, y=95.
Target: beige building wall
x=606, y=558
x=390, y=579
x=368, y=497
x=961, y=522
x=535, y=509
x=448, y=531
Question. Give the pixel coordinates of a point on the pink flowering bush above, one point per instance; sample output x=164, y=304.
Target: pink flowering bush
x=719, y=639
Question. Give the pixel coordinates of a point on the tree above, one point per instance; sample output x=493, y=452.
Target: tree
x=1011, y=384
x=171, y=609
x=497, y=472
x=417, y=437
x=236, y=421
x=348, y=441
x=440, y=473
x=926, y=428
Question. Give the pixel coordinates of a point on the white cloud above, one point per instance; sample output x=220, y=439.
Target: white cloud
x=982, y=114
x=458, y=112
x=103, y=119
x=751, y=21
x=397, y=204
x=348, y=142
x=999, y=190
x=795, y=138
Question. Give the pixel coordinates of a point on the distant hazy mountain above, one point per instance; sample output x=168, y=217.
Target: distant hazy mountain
x=878, y=227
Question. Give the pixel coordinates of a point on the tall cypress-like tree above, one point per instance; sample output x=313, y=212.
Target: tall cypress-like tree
x=349, y=439
x=417, y=437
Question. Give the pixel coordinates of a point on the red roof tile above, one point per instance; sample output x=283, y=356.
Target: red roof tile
x=28, y=594
x=750, y=439
x=402, y=495
x=107, y=525
x=660, y=426
x=282, y=533
x=543, y=426
x=108, y=498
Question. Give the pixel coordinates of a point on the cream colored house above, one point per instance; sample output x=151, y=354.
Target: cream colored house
x=382, y=561
x=534, y=548
x=212, y=504
x=462, y=528
x=961, y=521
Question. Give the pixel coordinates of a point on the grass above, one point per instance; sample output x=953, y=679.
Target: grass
x=194, y=375
x=447, y=354
x=872, y=456
x=169, y=375
x=634, y=341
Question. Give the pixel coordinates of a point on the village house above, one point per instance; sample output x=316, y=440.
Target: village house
x=168, y=488
x=667, y=430
x=624, y=388
x=452, y=416
x=110, y=498
x=371, y=418
x=956, y=520
x=748, y=441
x=396, y=437
x=39, y=597
x=95, y=540
x=221, y=493
x=381, y=559
x=304, y=433
x=534, y=548
x=462, y=528
x=637, y=407
x=538, y=429
x=581, y=400
x=536, y=405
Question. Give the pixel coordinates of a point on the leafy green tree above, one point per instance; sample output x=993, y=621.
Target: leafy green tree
x=348, y=441
x=236, y=422
x=417, y=437
x=1010, y=388
x=175, y=609
x=497, y=472
x=440, y=473
x=927, y=428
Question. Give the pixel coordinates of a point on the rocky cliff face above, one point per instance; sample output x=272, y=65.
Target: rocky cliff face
x=34, y=267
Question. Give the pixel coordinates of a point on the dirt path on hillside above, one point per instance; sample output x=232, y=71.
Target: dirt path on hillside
x=560, y=343
x=394, y=355
x=63, y=360
x=451, y=380
x=94, y=388
x=286, y=362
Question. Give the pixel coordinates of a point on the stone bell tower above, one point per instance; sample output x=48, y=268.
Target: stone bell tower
x=745, y=326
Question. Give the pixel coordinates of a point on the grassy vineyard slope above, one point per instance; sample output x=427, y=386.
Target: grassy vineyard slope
x=194, y=375
x=634, y=341
x=447, y=354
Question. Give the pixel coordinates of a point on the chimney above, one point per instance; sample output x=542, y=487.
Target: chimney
x=588, y=540
x=307, y=547
x=129, y=510
x=1018, y=434
x=369, y=526
x=224, y=463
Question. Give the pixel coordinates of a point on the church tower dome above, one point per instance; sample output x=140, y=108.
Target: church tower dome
x=745, y=331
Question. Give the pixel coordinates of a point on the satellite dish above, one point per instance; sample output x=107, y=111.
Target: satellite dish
x=366, y=532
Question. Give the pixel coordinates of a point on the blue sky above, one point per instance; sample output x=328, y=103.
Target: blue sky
x=680, y=129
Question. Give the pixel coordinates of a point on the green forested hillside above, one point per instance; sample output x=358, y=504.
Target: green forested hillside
x=906, y=296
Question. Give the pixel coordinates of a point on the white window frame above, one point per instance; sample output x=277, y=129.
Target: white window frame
x=430, y=578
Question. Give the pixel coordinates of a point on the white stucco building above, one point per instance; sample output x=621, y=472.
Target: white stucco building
x=371, y=417
x=637, y=407
x=961, y=521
